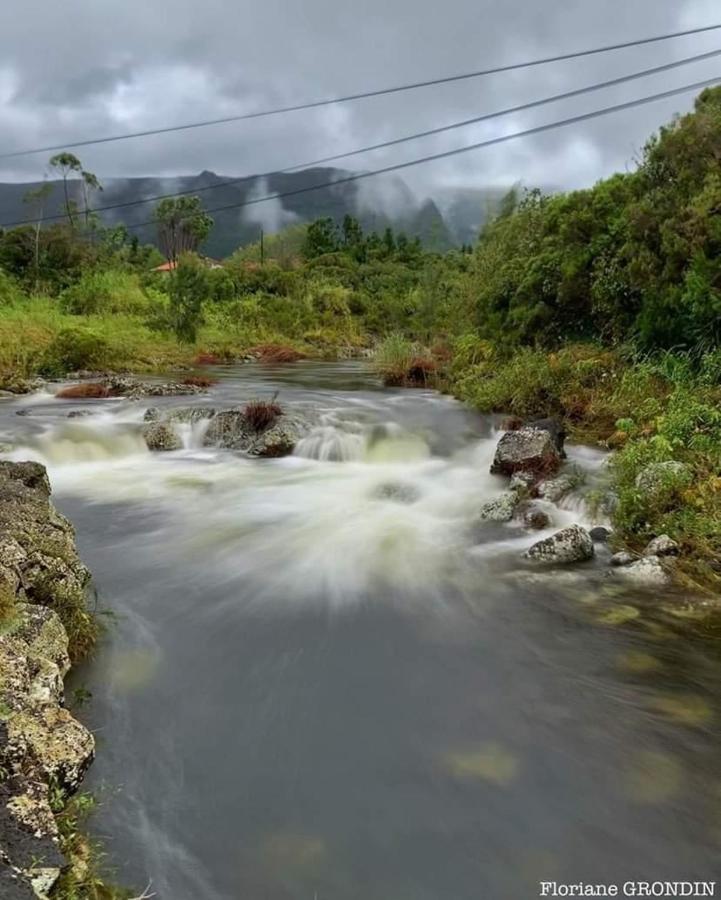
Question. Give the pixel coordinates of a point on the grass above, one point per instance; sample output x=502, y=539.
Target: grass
x=261, y=414
x=82, y=880
x=37, y=336
x=201, y=381
x=400, y=362
x=276, y=353
x=89, y=390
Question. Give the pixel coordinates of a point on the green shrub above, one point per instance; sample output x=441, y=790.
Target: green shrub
x=74, y=349
x=108, y=292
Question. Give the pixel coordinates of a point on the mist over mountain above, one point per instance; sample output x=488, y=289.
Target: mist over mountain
x=450, y=217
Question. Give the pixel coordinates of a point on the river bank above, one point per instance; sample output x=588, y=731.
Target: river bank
x=44, y=626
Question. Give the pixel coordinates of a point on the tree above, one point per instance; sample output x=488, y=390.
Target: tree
x=189, y=288
x=182, y=224
x=36, y=199
x=90, y=183
x=67, y=163
x=321, y=238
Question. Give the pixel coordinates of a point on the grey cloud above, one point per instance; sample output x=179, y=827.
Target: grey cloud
x=90, y=68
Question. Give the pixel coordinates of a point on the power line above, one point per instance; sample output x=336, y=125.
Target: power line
x=539, y=129
x=315, y=104
x=566, y=95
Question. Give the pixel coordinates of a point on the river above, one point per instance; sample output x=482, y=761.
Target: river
x=324, y=679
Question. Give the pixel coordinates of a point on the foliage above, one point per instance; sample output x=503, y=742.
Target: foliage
x=182, y=224
x=636, y=257
x=189, y=289
x=74, y=349
x=106, y=291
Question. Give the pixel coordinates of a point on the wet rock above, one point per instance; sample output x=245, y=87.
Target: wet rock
x=228, y=430
x=658, y=477
x=40, y=742
x=278, y=440
x=80, y=413
x=647, y=572
x=522, y=483
x=536, y=518
x=531, y=450
x=600, y=534
x=31, y=475
x=28, y=836
x=14, y=385
x=189, y=415
x=182, y=414
x=569, y=545
x=663, y=545
x=14, y=885
x=623, y=558
x=160, y=436
x=52, y=743
x=231, y=431
x=553, y=489
x=501, y=508
x=132, y=389
x=555, y=429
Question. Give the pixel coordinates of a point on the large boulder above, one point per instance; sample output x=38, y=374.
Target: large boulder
x=555, y=429
x=161, y=436
x=569, y=545
x=529, y=449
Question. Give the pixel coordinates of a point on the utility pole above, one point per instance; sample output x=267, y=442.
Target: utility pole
x=262, y=248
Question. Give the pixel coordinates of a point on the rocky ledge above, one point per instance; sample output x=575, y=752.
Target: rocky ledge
x=44, y=751
x=230, y=429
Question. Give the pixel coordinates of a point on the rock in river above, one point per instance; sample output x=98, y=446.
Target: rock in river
x=161, y=436
x=501, y=508
x=647, y=572
x=230, y=430
x=527, y=450
x=569, y=545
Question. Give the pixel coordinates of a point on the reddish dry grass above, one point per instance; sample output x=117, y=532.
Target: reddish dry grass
x=512, y=423
x=420, y=371
x=201, y=381
x=89, y=390
x=207, y=359
x=261, y=414
x=276, y=353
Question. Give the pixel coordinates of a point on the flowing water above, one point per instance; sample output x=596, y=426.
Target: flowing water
x=326, y=680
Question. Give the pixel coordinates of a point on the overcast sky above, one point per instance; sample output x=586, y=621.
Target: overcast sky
x=87, y=68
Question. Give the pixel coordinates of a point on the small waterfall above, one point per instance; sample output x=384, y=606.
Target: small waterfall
x=87, y=441
x=330, y=444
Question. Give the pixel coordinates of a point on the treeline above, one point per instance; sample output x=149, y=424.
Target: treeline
x=637, y=257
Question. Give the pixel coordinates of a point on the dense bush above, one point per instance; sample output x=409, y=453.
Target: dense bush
x=75, y=349
x=108, y=292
